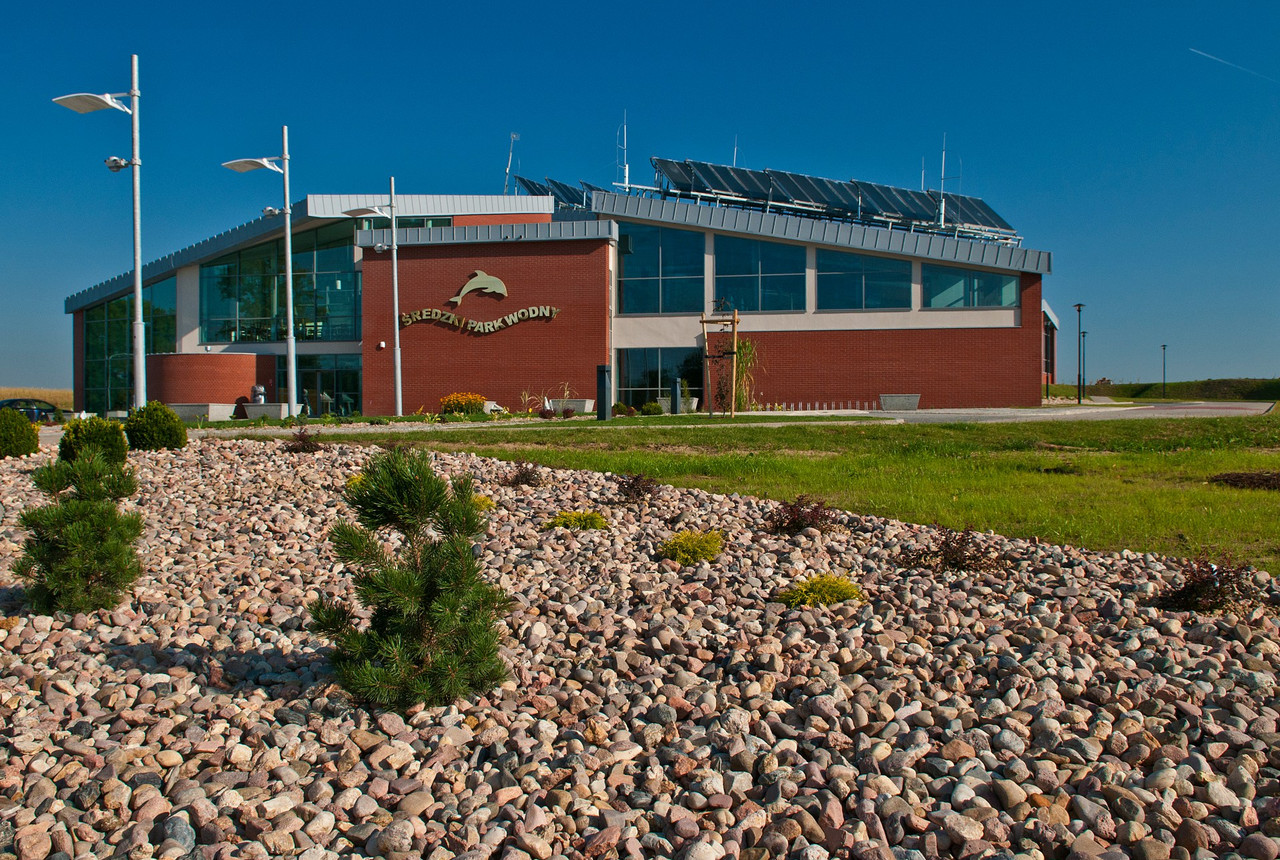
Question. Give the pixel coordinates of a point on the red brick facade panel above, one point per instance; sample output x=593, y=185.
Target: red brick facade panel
x=504, y=355
x=502, y=218
x=210, y=377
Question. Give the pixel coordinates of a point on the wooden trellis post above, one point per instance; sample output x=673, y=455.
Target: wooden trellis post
x=722, y=323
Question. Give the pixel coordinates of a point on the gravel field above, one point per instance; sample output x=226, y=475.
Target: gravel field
x=1043, y=711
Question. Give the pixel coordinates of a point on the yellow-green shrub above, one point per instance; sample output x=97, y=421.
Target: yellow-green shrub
x=822, y=590
x=483, y=503
x=690, y=547
x=462, y=403
x=577, y=521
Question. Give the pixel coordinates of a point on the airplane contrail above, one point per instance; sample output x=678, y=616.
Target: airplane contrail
x=1233, y=65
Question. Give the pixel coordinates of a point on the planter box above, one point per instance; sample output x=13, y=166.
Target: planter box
x=687, y=405
x=191, y=412
x=899, y=402
x=265, y=410
x=579, y=405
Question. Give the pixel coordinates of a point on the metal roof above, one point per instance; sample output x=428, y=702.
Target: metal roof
x=430, y=205
x=838, y=234
x=480, y=233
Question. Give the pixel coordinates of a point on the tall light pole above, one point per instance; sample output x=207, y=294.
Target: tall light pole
x=1084, y=352
x=87, y=103
x=281, y=165
x=390, y=212
x=1163, y=366
x=1079, y=357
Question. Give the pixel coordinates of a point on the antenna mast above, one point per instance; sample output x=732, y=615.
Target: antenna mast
x=942, y=186
x=735, y=150
x=510, y=152
x=620, y=144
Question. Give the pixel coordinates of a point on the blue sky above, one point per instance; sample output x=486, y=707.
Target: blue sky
x=1152, y=173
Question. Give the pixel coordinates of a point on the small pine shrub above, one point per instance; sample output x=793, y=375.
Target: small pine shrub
x=653, y=407
x=18, y=436
x=576, y=521
x=483, y=503
x=954, y=551
x=155, y=426
x=432, y=636
x=690, y=547
x=805, y=512
x=1213, y=588
x=80, y=554
x=821, y=590
x=524, y=475
x=635, y=488
x=619, y=409
x=546, y=413
x=303, y=442
x=568, y=412
x=462, y=403
x=102, y=434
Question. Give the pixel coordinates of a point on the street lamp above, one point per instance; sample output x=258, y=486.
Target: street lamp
x=389, y=212
x=1079, y=357
x=1084, y=352
x=87, y=103
x=281, y=165
x=1163, y=375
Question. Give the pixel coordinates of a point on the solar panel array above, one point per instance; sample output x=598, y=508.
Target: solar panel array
x=833, y=197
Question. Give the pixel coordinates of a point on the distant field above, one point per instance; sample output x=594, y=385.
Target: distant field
x=1196, y=389
x=57, y=396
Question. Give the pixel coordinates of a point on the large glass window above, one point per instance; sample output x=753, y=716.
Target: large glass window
x=242, y=296
x=644, y=375
x=858, y=282
x=108, y=342
x=660, y=270
x=327, y=384
x=759, y=276
x=948, y=287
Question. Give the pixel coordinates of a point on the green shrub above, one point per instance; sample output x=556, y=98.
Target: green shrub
x=105, y=435
x=653, y=407
x=690, y=547
x=155, y=426
x=80, y=555
x=483, y=503
x=432, y=637
x=821, y=590
x=18, y=436
x=462, y=403
x=576, y=521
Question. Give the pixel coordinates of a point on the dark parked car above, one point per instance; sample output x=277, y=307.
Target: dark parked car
x=38, y=411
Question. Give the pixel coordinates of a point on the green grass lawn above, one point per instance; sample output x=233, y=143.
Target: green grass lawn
x=1110, y=485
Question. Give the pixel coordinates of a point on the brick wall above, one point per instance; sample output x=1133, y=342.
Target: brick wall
x=956, y=367
x=535, y=355
x=209, y=377
x=501, y=218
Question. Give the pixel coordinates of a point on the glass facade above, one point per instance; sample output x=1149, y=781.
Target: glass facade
x=242, y=295
x=327, y=384
x=660, y=270
x=948, y=287
x=857, y=282
x=759, y=276
x=108, y=343
x=644, y=375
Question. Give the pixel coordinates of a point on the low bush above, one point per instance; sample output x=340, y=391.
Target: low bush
x=823, y=589
x=80, y=554
x=805, y=512
x=102, y=434
x=546, y=413
x=432, y=637
x=653, y=407
x=155, y=426
x=576, y=521
x=634, y=488
x=690, y=547
x=303, y=442
x=377, y=421
x=568, y=412
x=483, y=503
x=462, y=403
x=524, y=475
x=619, y=409
x=954, y=551
x=18, y=436
x=1213, y=588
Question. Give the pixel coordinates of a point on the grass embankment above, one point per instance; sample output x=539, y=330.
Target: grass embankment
x=1111, y=485
x=1196, y=389
x=60, y=397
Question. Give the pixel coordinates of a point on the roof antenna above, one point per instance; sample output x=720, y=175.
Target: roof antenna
x=735, y=150
x=922, y=188
x=510, y=152
x=942, y=184
x=621, y=149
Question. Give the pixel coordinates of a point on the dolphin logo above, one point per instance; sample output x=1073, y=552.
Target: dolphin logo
x=480, y=282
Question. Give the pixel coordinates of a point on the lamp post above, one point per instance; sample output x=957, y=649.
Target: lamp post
x=1163, y=375
x=281, y=165
x=87, y=103
x=1084, y=352
x=389, y=212
x=1079, y=357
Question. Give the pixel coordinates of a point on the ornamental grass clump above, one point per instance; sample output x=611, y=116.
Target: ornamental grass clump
x=18, y=436
x=80, y=554
x=823, y=589
x=102, y=434
x=689, y=547
x=155, y=426
x=576, y=521
x=432, y=637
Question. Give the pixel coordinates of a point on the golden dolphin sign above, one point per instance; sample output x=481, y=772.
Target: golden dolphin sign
x=480, y=282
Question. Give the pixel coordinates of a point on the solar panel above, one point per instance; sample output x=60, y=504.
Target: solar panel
x=532, y=188
x=587, y=185
x=569, y=195
x=678, y=175
x=973, y=210
x=738, y=181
